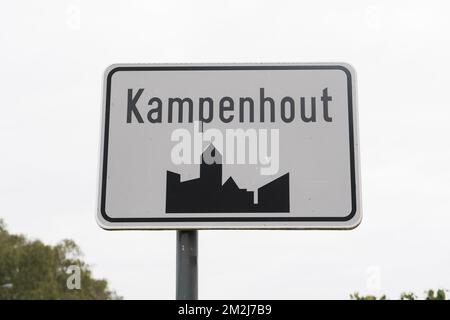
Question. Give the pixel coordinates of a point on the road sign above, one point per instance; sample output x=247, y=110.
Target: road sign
x=229, y=146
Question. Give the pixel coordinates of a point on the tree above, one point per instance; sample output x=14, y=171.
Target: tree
x=33, y=270
x=408, y=296
x=430, y=295
x=357, y=296
x=439, y=295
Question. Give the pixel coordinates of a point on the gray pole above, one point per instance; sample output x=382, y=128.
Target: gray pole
x=187, y=270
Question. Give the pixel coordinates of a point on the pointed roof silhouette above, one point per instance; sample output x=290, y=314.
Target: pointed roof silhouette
x=211, y=153
x=230, y=184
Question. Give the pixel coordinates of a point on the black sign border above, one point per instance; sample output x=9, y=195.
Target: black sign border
x=229, y=219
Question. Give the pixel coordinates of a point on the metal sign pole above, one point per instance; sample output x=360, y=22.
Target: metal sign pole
x=187, y=270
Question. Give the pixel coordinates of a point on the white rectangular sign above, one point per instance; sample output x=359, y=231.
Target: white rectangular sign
x=229, y=146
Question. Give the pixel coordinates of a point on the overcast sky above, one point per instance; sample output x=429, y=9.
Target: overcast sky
x=53, y=54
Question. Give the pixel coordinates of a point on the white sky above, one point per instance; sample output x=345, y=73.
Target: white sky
x=53, y=54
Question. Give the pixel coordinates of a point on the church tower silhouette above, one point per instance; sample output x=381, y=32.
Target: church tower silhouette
x=211, y=166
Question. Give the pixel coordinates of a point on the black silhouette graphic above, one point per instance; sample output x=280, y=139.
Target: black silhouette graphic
x=208, y=194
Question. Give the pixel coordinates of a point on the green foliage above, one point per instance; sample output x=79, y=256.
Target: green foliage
x=430, y=295
x=438, y=295
x=33, y=270
x=408, y=296
x=357, y=296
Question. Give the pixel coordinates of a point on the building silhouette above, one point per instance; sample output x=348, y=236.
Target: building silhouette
x=208, y=194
